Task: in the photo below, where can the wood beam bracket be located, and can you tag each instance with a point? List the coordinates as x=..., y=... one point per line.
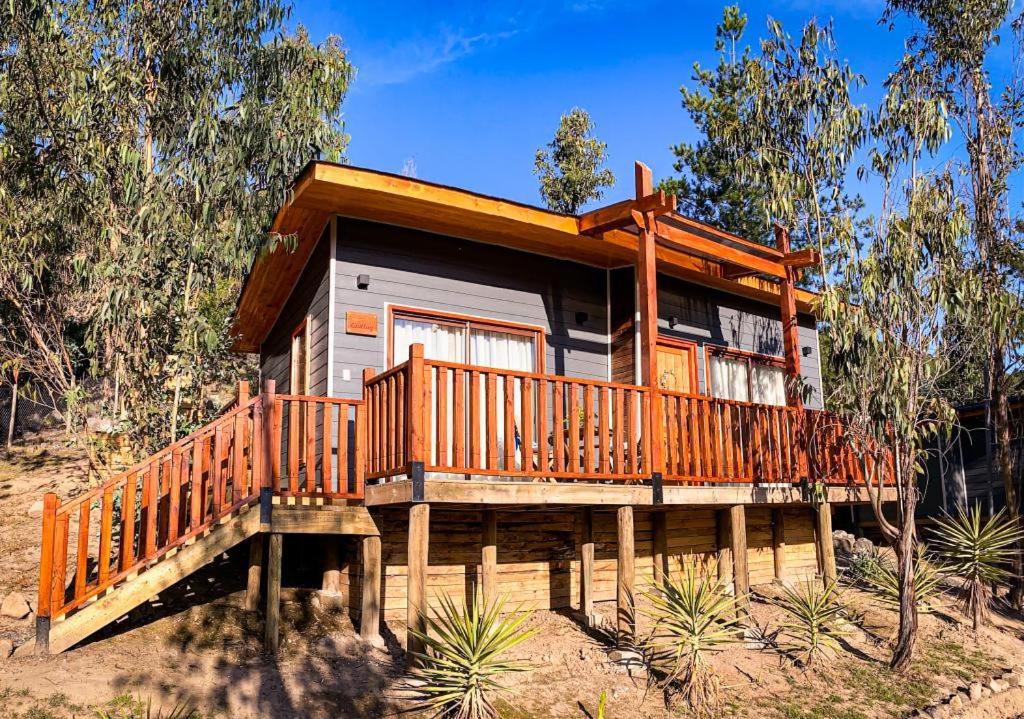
x=42, y=635
x=416, y=475
x=803, y=258
x=266, y=508
x=657, y=488
x=622, y=214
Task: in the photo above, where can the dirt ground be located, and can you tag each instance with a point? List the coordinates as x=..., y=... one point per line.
x=196, y=644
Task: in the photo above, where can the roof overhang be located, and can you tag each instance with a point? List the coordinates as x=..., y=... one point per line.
x=690, y=250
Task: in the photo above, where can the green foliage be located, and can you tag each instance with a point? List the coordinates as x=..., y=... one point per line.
x=143, y=150
x=815, y=617
x=708, y=186
x=977, y=552
x=570, y=168
x=693, y=618
x=464, y=657
x=129, y=708
x=881, y=577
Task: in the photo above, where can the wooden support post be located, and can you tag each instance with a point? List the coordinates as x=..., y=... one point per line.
x=272, y=626
x=419, y=544
x=331, y=594
x=14, y=410
x=44, y=601
x=369, y=621
x=252, y=582
x=724, y=544
x=823, y=535
x=660, y=541
x=647, y=303
x=243, y=392
x=738, y=546
x=587, y=566
x=625, y=601
x=791, y=352
x=779, y=543
x=489, y=557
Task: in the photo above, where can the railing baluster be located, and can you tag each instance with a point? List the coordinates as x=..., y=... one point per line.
x=572, y=413
x=60, y=563
x=441, y=425
x=631, y=431
x=82, y=550
x=459, y=420
x=559, y=431
x=602, y=429
x=510, y=424
x=618, y=435
x=106, y=525
x=128, y=523
x=526, y=438
x=327, y=447
x=474, y=421
x=588, y=429
x=492, y=421
x=542, y=425
x=196, y=485
x=310, y=433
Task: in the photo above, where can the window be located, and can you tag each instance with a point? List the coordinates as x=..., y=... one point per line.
x=746, y=378
x=299, y=378
x=466, y=340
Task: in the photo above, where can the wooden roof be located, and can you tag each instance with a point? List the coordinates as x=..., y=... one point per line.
x=691, y=251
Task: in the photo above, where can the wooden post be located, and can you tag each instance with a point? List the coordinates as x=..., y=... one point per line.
x=826, y=550
x=647, y=302
x=660, y=541
x=414, y=425
x=45, y=598
x=369, y=620
x=243, y=392
x=587, y=566
x=779, y=543
x=419, y=544
x=625, y=603
x=252, y=582
x=489, y=557
x=271, y=450
x=723, y=532
x=272, y=626
x=791, y=352
x=330, y=586
x=738, y=546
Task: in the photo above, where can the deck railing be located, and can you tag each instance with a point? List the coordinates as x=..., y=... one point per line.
x=276, y=441
x=461, y=420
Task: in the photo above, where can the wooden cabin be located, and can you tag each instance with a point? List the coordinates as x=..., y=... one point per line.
x=464, y=394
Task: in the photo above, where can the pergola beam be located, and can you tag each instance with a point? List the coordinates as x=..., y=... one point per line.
x=693, y=243
x=620, y=214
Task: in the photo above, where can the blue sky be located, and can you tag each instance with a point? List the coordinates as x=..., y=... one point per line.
x=467, y=91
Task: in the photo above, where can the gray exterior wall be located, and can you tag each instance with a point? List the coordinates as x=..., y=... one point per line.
x=417, y=269
x=709, y=317
x=310, y=297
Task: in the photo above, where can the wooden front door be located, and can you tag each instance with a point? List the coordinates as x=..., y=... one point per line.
x=677, y=367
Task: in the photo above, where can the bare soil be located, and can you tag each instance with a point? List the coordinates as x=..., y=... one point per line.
x=196, y=644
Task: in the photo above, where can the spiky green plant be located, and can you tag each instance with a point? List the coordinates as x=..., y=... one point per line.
x=977, y=553
x=815, y=619
x=137, y=710
x=693, y=618
x=464, y=656
x=882, y=580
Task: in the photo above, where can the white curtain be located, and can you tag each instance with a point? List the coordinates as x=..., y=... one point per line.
x=769, y=384
x=729, y=378
x=440, y=341
x=501, y=350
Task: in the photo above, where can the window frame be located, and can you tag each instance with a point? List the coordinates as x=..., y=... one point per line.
x=299, y=334
x=470, y=322
x=749, y=358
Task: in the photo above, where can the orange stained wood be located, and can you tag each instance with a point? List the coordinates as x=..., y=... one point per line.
x=697, y=252
x=677, y=367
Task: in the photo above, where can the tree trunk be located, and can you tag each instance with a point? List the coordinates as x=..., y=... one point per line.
x=903, y=652
x=1004, y=462
x=14, y=412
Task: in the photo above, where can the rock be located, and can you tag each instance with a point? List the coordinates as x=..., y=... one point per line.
x=15, y=606
x=986, y=692
x=6, y=649
x=753, y=638
x=1012, y=678
x=626, y=657
x=965, y=699
x=998, y=685
x=377, y=642
x=36, y=508
x=863, y=545
x=955, y=703
x=843, y=542
x=937, y=712
x=974, y=691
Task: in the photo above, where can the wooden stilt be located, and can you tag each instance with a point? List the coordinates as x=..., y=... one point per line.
x=626, y=578
x=489, y=557
x=587, y=566
x=660, y=549
x=252, y=583
x=823, y=537
x=272, y=625
x=369, y=621
x=724, y=543
x=738, y=545
x=419, y=543
x=779, y=543
x=331, y=586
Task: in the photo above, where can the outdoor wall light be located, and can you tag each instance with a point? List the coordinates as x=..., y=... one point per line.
x=806, y=351
x=582, y=317
x=672, y=321
x=363, y=281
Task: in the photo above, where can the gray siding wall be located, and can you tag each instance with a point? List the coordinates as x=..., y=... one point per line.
x=417, y=269
x=709, y=317
x=310, y=297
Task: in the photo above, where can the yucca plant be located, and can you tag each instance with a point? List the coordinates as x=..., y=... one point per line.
x=977, y=553
x=815, y=619
x=882, y=580
x=464, y=656
x=136, y=710
x=693, y=618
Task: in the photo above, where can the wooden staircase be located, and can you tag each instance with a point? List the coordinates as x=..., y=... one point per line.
x=109, y=550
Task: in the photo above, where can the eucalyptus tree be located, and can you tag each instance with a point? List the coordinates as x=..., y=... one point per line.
x=571, y=167
x=953, y=40
x=889, y=312
x=143, y=149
